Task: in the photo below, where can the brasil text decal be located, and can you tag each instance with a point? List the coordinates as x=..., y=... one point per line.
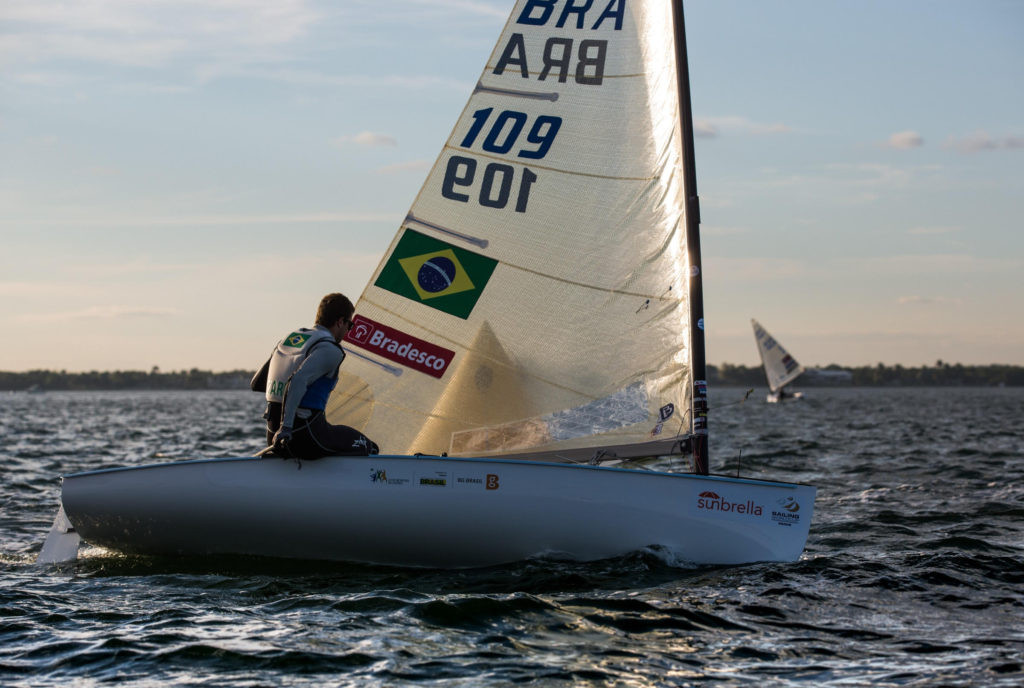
x=399, y=347
x=436, y=274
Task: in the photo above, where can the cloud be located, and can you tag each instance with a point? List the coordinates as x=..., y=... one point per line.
x=367, y=139
x=981, y=141
x=905, y=140
x=410, y=166
x=468, y=6
x=113, y=219
x=704, y=129
x=758, y=270
x=932, y=231
x=871, y=174
x=152, y=33
x=917, y=300
x=710, y=126
x=719, y=231
x=104, y=313
x=941, y=264
x=22, y=290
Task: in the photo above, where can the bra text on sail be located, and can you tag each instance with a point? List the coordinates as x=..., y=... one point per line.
x=558, y=53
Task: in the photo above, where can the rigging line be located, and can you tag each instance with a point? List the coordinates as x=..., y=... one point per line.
x=731, y=403
x=548, y=168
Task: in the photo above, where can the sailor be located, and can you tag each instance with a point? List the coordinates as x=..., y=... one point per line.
x=302, y=372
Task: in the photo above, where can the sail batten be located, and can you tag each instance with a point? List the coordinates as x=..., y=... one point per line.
x=564, y=171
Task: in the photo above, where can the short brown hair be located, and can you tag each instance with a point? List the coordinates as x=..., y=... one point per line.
x=333, y=308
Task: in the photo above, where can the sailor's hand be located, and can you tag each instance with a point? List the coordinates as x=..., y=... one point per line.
x=282, y=437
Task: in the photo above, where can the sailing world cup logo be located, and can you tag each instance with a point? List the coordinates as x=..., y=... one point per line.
x=786, y=514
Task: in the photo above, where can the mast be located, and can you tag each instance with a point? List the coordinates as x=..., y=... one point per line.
x=699, y=412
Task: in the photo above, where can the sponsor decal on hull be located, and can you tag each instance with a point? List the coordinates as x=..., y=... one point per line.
x=380, y=477
x=788, y=512
x=399, y=347
x=711, y=502
x=433, y=479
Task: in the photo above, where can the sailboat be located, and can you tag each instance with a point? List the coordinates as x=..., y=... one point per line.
x=780, y=368
x=529, y=352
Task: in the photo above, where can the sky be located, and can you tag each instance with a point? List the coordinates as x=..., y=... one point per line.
x=182, y=180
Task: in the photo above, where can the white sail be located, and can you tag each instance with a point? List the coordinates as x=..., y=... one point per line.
x=535, y=297
x=779, y=367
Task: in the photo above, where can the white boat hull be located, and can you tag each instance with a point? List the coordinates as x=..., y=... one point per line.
x=434, y=512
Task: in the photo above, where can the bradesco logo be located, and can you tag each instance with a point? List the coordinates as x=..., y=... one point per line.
x=399, y=347
x=710, y=501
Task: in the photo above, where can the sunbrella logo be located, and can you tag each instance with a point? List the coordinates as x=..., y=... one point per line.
x=711, y=501
x=436, y=274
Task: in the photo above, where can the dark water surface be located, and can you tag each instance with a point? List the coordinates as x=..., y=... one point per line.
x=913, y=573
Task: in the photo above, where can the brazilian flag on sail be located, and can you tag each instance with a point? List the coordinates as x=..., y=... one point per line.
x=436, y=274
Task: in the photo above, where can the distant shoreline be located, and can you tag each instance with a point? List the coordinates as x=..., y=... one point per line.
x=726, y=374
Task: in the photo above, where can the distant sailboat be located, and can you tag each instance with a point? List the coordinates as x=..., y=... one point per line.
x=780, y=368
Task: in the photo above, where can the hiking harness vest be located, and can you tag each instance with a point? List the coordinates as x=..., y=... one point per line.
x=290, y=353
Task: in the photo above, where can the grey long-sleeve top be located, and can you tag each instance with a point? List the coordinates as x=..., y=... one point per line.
x=322, y=361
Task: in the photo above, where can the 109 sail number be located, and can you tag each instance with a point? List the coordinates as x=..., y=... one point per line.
x=497, y=180
x=495, y=183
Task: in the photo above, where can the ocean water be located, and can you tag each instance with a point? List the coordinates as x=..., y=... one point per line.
x=913, y=574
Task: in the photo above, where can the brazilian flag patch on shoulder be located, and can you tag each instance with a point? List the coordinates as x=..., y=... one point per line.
x=436, y=274
x=296, y=339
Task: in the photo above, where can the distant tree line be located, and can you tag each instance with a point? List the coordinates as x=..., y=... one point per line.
x=880, y=375
x=61, y=380
x=942, y=374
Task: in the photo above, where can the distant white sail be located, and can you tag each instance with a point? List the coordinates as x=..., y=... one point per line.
x=536, y=295
x=779, y=367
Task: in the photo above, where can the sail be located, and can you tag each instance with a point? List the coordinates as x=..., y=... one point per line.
x=779, y=367
x=535, y=297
